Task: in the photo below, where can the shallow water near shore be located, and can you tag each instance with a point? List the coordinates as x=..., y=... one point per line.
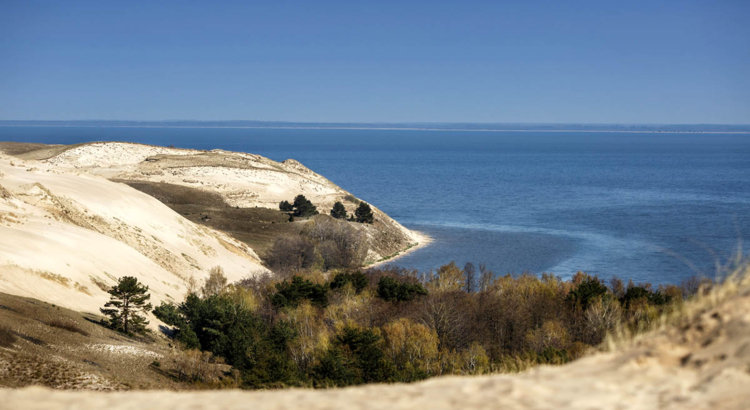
x=654, y=207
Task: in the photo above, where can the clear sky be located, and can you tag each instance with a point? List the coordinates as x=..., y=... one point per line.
x=381, y=61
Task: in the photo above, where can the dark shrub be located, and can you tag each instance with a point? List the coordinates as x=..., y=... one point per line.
x=292, y=293
x=338, y=211
x=390, y=289
x=586, y=291
x=365, y=347
x=640, y=292
x=334, y=369
x=66, y=325
x=339, y=244
x=551, y=355
x=7, y=337
x=358, y=280
x=363, y=213
x=356, y=357
x=285, y=206
x=303, y=208
x=168, y=313
x=291, y=254
x=351, y=198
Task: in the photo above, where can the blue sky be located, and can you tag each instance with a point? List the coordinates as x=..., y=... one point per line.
x=381, y=61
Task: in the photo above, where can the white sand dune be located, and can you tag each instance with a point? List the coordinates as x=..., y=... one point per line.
x=66, y=235
x=244, y=180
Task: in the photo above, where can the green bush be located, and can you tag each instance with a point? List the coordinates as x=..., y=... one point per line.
x=338, y=211
x=358, y=280
x=334, y=369
x=551, y=355
x=390, y=289
x=363, y=214
x=586, y=291
x=285, y=206
x=7, y=337
x=640, y=292
x=290, y=294
x=303, y=208
x=355, y=357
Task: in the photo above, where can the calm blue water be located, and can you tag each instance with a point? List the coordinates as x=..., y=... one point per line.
x=652, y=207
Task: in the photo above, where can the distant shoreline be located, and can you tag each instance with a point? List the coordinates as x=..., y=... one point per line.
x=382, y=128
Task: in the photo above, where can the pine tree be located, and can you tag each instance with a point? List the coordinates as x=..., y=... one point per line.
x=364, y=213
x=338, y=211
x=303, y=207
x=128, y=299
x=469, y=277
x=285, y=206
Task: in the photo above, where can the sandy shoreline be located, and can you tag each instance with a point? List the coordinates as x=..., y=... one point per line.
x=424, y=240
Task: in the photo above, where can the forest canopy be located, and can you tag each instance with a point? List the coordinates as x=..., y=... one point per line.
x=348, y=327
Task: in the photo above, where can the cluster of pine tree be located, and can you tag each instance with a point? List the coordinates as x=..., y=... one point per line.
x=363, y=214
x=303, y=208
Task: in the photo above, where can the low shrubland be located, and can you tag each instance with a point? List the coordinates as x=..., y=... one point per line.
x=7, y=337
x=67, y=325
x=325, y=243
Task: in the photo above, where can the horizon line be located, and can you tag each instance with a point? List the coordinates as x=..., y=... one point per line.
x=741, y=130
x=377, y=123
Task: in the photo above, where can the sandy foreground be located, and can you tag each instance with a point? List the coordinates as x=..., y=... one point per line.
x=701, y=361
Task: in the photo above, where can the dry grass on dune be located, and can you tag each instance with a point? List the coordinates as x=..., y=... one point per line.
x=33, y=151
x=257, y=227
x=709, y=295
x=47, y=345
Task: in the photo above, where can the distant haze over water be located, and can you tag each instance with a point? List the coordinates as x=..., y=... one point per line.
x=649, y=206
x=712, y=128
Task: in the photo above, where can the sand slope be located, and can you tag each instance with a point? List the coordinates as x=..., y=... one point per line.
x=66, y=235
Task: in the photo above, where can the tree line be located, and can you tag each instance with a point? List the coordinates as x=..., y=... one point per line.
x=302, y=207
